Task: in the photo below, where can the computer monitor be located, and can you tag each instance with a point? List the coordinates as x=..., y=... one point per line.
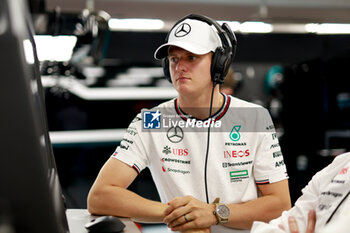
x=31, y=198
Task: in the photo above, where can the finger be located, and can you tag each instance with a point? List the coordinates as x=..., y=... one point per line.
x=281, y=227
x=174, y=204
x=180, y=221
x=311, y=222
x=191, y=227
x=179, y=201
x=293, y=226
x=176, y=215
x=186, y=220
x=186, y=226
x=168, y=210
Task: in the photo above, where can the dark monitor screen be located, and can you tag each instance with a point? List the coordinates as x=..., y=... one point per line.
x=30, y=193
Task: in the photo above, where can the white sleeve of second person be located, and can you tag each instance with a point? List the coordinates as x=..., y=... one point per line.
x=306, y=202
x=340, y=224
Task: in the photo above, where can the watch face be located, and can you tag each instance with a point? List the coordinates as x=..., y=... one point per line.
x=223, y=211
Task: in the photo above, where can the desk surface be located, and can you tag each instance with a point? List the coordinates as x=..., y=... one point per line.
x=77, y=218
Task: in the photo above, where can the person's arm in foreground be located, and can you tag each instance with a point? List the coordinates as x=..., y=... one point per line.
x=275, y=198
x=109, y=196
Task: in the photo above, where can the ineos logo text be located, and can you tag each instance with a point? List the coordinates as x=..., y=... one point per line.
x=175, y=134
x=182, y=30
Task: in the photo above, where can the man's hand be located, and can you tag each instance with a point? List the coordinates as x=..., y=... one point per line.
x=188, y=213
x=293, y=226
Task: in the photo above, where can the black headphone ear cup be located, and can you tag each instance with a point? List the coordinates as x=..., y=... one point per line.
x=213, y=68
x=232, y=37
x=166, y=71
x=220, y=65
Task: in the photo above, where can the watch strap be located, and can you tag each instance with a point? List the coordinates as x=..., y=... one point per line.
x=219, y=219
x=217, y=200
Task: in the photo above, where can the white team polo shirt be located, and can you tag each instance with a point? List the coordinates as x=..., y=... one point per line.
x=243, y=152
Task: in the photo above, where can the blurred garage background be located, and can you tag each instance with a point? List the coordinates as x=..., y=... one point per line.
x=98, y=71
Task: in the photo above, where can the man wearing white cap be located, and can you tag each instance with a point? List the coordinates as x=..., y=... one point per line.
x=215, y=159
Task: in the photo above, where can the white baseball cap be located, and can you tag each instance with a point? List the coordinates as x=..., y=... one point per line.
x=195, y=36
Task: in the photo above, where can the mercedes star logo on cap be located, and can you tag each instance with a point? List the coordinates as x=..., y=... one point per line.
x=175, y=134
x=182, y=30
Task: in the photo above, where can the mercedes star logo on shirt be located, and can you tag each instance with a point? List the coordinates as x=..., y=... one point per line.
x=175, y=134
x=183, y=30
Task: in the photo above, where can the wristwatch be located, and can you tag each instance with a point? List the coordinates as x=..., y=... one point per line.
x=221, y=212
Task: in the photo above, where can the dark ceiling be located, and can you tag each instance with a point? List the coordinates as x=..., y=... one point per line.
x=274, y=11
x=138, y=47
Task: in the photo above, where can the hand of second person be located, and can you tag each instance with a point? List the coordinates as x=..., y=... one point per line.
x=186, y=213
x=310, y=228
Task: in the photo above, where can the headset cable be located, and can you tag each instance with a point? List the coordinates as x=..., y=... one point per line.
x=208, y=143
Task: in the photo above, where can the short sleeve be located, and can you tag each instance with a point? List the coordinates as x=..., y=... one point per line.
x=131, y=149
x=269, y=164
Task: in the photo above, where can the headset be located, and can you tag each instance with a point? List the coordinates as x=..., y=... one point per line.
x=223, y=56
